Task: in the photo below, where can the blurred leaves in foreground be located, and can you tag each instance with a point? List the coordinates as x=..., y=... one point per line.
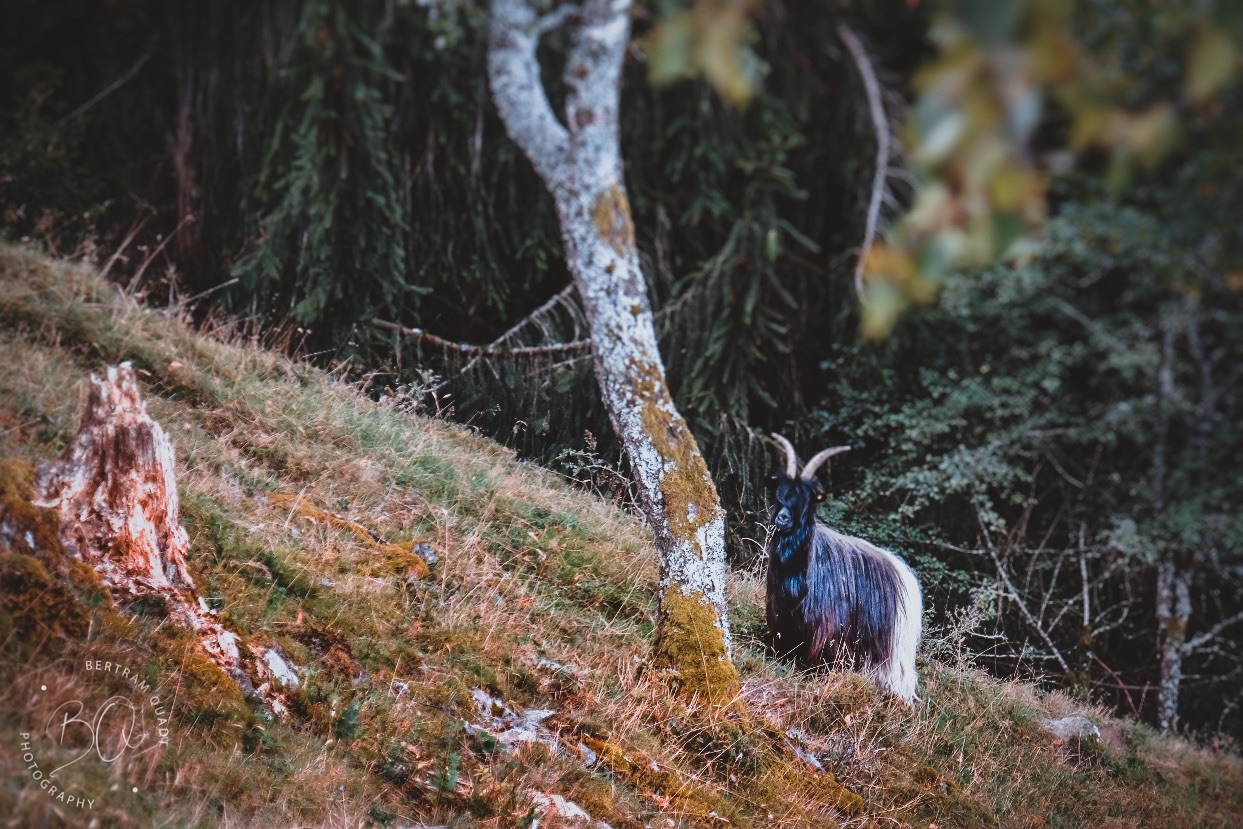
x=709, y=39
x=1022, y=90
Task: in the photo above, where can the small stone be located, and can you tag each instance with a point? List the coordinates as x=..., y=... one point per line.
x=590, y=758
x=280, y=669
x=425, y=550
x=1075, y=725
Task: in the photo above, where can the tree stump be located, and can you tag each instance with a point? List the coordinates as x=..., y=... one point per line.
x=117, y=495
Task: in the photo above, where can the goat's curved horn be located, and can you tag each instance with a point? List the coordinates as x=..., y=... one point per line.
x=809, y=471
x=791, y=458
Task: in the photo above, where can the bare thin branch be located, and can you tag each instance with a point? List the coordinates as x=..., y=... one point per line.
x=481, y=350
x=137, y=278
x=1122, y=686
x=105, y=92
x=1083, y=578
x=1014, y=594
x=562, y=297
x=1212, y=633
x=876, y=107
x=129, y=237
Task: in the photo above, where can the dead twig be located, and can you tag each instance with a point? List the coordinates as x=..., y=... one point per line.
x=876, y=108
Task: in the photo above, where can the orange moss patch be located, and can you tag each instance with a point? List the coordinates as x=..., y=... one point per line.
x=25, y=528
x=691, y=500
x=943, y=799
x=401, y=557
x=333, y=649
x=34, y=600
x=86, y=581
x=666, y=785
x=611, y=214
x=689, y=639
x=199, y=682
x=691, y=644
x=783, y=784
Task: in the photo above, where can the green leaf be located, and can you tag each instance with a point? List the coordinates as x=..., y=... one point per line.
x=669, y=50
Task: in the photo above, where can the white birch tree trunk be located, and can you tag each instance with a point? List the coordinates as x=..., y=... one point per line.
x=1173, y=613
x=1173, y=595
x=580, y=163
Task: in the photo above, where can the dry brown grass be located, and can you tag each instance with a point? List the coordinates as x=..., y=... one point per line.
x=533, y=575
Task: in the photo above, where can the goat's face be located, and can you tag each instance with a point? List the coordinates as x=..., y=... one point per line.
x=794, y=502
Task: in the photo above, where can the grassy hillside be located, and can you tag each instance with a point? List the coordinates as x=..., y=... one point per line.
x=514, y=672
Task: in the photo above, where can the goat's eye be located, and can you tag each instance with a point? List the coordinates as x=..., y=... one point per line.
x=819, y=497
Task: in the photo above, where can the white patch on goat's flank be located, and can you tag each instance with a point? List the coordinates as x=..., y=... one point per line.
x=897, y=673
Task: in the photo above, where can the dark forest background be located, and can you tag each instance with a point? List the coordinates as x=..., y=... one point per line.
x=1054, y=442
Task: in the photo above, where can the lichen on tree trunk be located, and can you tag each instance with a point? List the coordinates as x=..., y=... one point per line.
x=580, y=162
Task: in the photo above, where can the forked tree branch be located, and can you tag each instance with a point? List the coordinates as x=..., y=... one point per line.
x=593, y=69
x=1016, y=596
x=514, y=73
x=560, y=297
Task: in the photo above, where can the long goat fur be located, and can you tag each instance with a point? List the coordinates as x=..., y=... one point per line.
x=835, y=598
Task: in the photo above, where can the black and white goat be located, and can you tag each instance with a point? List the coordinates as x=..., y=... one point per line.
x=835, y=598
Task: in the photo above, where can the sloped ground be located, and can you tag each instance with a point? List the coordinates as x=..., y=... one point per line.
x=508, y=686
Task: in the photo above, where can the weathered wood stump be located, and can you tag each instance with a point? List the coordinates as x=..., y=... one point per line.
x=117, y=495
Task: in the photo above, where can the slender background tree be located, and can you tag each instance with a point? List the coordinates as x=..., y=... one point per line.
x=580, y=162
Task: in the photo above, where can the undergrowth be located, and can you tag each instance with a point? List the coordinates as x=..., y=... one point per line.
x=542, y=599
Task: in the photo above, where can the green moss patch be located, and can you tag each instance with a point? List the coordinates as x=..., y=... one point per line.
x=690, y=497
x=691, y=644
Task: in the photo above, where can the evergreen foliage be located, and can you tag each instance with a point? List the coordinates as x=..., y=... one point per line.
x=1071, y=421
x=330, y=234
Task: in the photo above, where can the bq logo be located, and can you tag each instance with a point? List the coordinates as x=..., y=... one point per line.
x=98, y=729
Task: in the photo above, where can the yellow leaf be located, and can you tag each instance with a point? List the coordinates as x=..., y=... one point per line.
x=881, y=310
x=1152, y=133
x=884, y=263
x=1090, y=126
x=1013, y=186
x=723, y=56
x=1211, y=64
